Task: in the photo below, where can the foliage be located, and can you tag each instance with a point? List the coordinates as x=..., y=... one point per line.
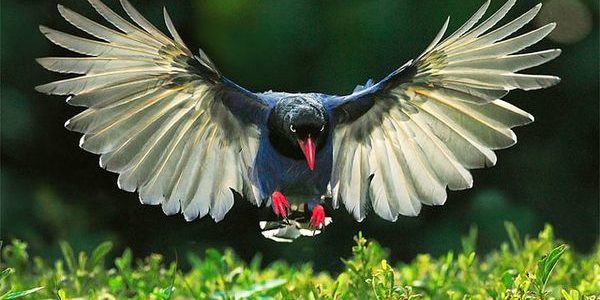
x=530, y=268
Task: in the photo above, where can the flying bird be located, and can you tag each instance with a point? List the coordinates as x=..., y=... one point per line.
x=187, y=138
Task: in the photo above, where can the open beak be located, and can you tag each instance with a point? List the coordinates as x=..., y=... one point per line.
x=308, y=148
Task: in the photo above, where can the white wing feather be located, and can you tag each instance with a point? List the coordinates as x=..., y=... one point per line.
x=160, y=126
x=447, y=118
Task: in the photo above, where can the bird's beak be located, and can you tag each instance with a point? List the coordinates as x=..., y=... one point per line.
x=308, y=148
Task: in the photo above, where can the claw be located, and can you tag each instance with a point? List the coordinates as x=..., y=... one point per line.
x=280, y=204
x=317, y=218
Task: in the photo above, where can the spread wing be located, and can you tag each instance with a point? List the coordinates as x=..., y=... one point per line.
x=399, y=143
x=166, y=120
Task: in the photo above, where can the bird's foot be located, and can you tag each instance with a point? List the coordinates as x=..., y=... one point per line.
x=280, y=204
x=317, y=218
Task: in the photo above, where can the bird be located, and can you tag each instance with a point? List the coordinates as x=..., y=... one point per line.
x=187, y=138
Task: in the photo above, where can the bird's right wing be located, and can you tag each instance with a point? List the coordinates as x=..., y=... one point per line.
x=166, y=120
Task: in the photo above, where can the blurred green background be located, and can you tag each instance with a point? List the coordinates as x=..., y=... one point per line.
x=52, y=190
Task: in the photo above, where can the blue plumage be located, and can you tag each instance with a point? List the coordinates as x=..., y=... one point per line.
x=274, y=171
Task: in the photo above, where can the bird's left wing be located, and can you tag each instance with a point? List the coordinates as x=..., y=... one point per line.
x=166, y=120
x=401, y=142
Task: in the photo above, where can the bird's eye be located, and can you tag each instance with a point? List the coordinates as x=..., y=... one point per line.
x=292, y=128
x=322, y=128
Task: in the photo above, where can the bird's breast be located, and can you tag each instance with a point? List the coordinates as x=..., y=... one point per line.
x=292, y=177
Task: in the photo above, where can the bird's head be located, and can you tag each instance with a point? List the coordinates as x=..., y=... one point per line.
x=298, y=128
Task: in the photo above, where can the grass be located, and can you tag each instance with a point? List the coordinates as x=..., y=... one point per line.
x=522, y=268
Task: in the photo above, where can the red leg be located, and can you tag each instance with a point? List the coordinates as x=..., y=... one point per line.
x=280, y=204
x=317, y=218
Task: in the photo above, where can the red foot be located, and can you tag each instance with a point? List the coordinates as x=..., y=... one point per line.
x=317, y=218
x=280, y=204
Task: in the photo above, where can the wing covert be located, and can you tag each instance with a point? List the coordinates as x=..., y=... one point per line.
x=402, y=141
x=166, y=120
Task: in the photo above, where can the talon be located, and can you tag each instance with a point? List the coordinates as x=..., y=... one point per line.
x=280, y=204
x=317, y=218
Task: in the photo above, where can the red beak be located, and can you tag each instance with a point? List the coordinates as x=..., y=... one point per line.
x=308, y=148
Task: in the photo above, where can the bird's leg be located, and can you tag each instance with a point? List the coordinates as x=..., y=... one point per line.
x=280, y=204
x=317, y=218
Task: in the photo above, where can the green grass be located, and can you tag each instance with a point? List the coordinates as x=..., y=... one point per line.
x=522, y=268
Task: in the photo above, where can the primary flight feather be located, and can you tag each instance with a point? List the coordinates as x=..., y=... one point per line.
x=184, y=136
